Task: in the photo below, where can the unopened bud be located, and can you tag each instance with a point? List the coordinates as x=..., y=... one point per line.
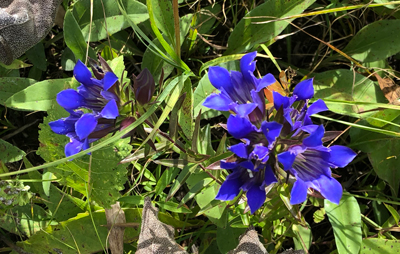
x=144, y=86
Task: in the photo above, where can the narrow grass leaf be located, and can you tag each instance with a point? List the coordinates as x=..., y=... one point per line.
x=172, y=207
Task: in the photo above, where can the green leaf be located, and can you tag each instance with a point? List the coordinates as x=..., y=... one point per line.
x=393, y=212
x=179, y=81
x=134, y=200
x=186, y=111
x=26, y=220
x=375, y=41
x=163, y=17
x=114, y=21
x=78, y=235
x=37, y=56
x=118, y=67
x=75, y=235
x=382, y=151
x=61, y=205
x=39, y=96
x=46, y=177
x=155, y=63
x=10, y=86
x=346, y=222
x=106, y=178
x=220, y=60
x=319, y=215
x=15, y=65
x=68, y=60
x=246, y=34
x=173, y=207
x=228, y=238
x=196, y=189
x=346, y=85
x=207, y=196
x=10, y=153
x=166, y=178
x=303, y=238
x=376, y=245
x=181, y=179
x=74, y=38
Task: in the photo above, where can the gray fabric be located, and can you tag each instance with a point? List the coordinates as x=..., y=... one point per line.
x=249, y=244
x=156, y=237
x=23, y=23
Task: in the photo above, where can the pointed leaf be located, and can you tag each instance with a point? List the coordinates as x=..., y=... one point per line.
x=346, y=222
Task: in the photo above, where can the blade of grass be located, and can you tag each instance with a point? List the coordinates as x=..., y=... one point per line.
x=367, y=128
x=314, y=13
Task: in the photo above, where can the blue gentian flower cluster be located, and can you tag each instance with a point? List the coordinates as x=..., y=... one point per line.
x=290, y=138
x=101, y=104
x=97, y=103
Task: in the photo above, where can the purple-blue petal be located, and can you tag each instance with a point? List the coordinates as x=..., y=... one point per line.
x=287, y=159
x=82, y=73
x=256, y=197
x=109, y=80
x=110, y=110
x=243, y=110
x=109, y=95
x=340, y=156
x=73, y=147
x=247, y=165
x=280, y=100
x=269, y=176
x=240, y=150
x=220, y=78
x=248, y=65
x=271, y=130
x=267, y=80
x=259, y=99
x=315, y=138
x=85, y=125
x=317, y=107
x=330, y=188
x=299, y=192
x=86, y=145
x=261, y=153
x=239, y=127
x=304, y=90
x=228, y=165
x=62, y=127
x=230, y=188
x=70, y=99
x=218, y=102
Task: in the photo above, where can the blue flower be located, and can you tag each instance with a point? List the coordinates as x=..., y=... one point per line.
x=311, y=164
x=85, y=128
x=82, y=129
x=240, y=92
x=92, y=94
x=302, y=92
x=251, y=171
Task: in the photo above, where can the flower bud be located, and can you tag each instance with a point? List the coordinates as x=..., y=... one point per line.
x=143, y=86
